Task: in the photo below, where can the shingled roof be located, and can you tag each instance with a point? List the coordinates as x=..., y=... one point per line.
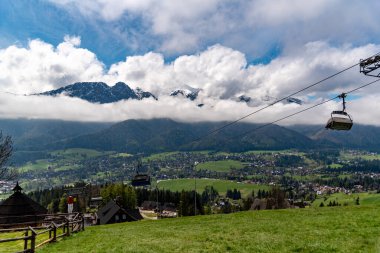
x=18, y=204
x=106, y=213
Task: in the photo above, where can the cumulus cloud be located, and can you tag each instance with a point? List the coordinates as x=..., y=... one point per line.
x=252, y=26
x=34, y=107
x=41, y=66
x=221, y=73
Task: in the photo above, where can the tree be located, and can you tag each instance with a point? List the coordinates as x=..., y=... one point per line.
x=357, y=201
x=6, y=148
x=247, y=203
x=63, y=204
x=259, y=194
x=125, y=195
x=209, y=194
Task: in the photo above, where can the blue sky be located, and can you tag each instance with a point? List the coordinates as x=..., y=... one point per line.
x=22, y=20
x=133, y=30
x=225, y=48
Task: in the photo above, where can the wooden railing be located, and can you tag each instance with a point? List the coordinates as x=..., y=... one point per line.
x=57, y=226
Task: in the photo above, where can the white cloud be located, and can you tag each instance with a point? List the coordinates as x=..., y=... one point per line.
x=251, y=26
x=66, y=108
x=216, y=71
x=274, y=13
x=41, y=67
x=220, y=72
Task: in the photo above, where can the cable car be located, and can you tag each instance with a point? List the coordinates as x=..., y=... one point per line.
x=140, y=179
x=340, y=120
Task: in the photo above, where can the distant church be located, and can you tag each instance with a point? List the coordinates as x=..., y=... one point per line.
x=19, y=208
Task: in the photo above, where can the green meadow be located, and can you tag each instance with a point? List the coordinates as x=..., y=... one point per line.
x=343, y=199
x=220, y=185
x=333, y=229
x=220, y=166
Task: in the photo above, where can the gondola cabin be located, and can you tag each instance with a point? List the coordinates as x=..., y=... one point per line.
x=339, y=120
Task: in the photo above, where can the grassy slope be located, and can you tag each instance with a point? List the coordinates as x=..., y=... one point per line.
x=348, y=156
x=67, y=155
x=220, y=185
x=335, y=229
x=365, y=198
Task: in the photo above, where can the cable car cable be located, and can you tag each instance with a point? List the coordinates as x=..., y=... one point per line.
x=279, y=100
x=306, y=109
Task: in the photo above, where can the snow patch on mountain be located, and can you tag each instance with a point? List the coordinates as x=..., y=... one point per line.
x=188, y=92
x=99, y=92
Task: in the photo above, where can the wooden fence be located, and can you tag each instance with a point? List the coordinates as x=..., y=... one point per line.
x=51, y=225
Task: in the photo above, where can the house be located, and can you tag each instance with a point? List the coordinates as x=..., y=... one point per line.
x=114, y=213
x=19, y=208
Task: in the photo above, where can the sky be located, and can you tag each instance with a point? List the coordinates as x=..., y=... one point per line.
x=262, y=49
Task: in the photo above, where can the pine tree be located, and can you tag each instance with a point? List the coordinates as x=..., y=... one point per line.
x=63, y=204
x=357, y=201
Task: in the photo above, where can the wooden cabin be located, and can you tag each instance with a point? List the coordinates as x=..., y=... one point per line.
x=113, y=213
x=19, y=209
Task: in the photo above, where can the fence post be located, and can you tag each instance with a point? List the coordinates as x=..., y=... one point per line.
x=54, y=232
x=68, y=227
x=26, y=240
x=33, y=241
x=82, y=222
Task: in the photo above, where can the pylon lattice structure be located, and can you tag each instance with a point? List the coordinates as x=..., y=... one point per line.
x=370, y=66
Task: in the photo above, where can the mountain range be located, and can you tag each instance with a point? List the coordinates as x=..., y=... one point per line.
x=161, y=135
x=99, y=92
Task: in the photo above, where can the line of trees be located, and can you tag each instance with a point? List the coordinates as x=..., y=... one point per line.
x=6, y=149
x=124, y=194
x=187, y=202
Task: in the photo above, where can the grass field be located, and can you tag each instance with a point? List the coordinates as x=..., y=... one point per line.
x=335, y=229
x=336, y=166
x=220, y=185
x=158, y=156
x=118, y=155
x=220, y=166
x=78, y=153
x=365, y=198
x=66, y=155
x=349, y=156
x=33, y=166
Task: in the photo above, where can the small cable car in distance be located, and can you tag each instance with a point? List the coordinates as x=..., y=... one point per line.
x=140, y=179
x=340, y=120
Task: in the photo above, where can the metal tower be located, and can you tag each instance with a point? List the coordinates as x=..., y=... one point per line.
x=370, y=65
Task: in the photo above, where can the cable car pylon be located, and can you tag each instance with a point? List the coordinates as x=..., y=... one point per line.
x=370, y=66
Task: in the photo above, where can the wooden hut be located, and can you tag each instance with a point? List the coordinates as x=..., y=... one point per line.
x=113, y=213
x=19, y=208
